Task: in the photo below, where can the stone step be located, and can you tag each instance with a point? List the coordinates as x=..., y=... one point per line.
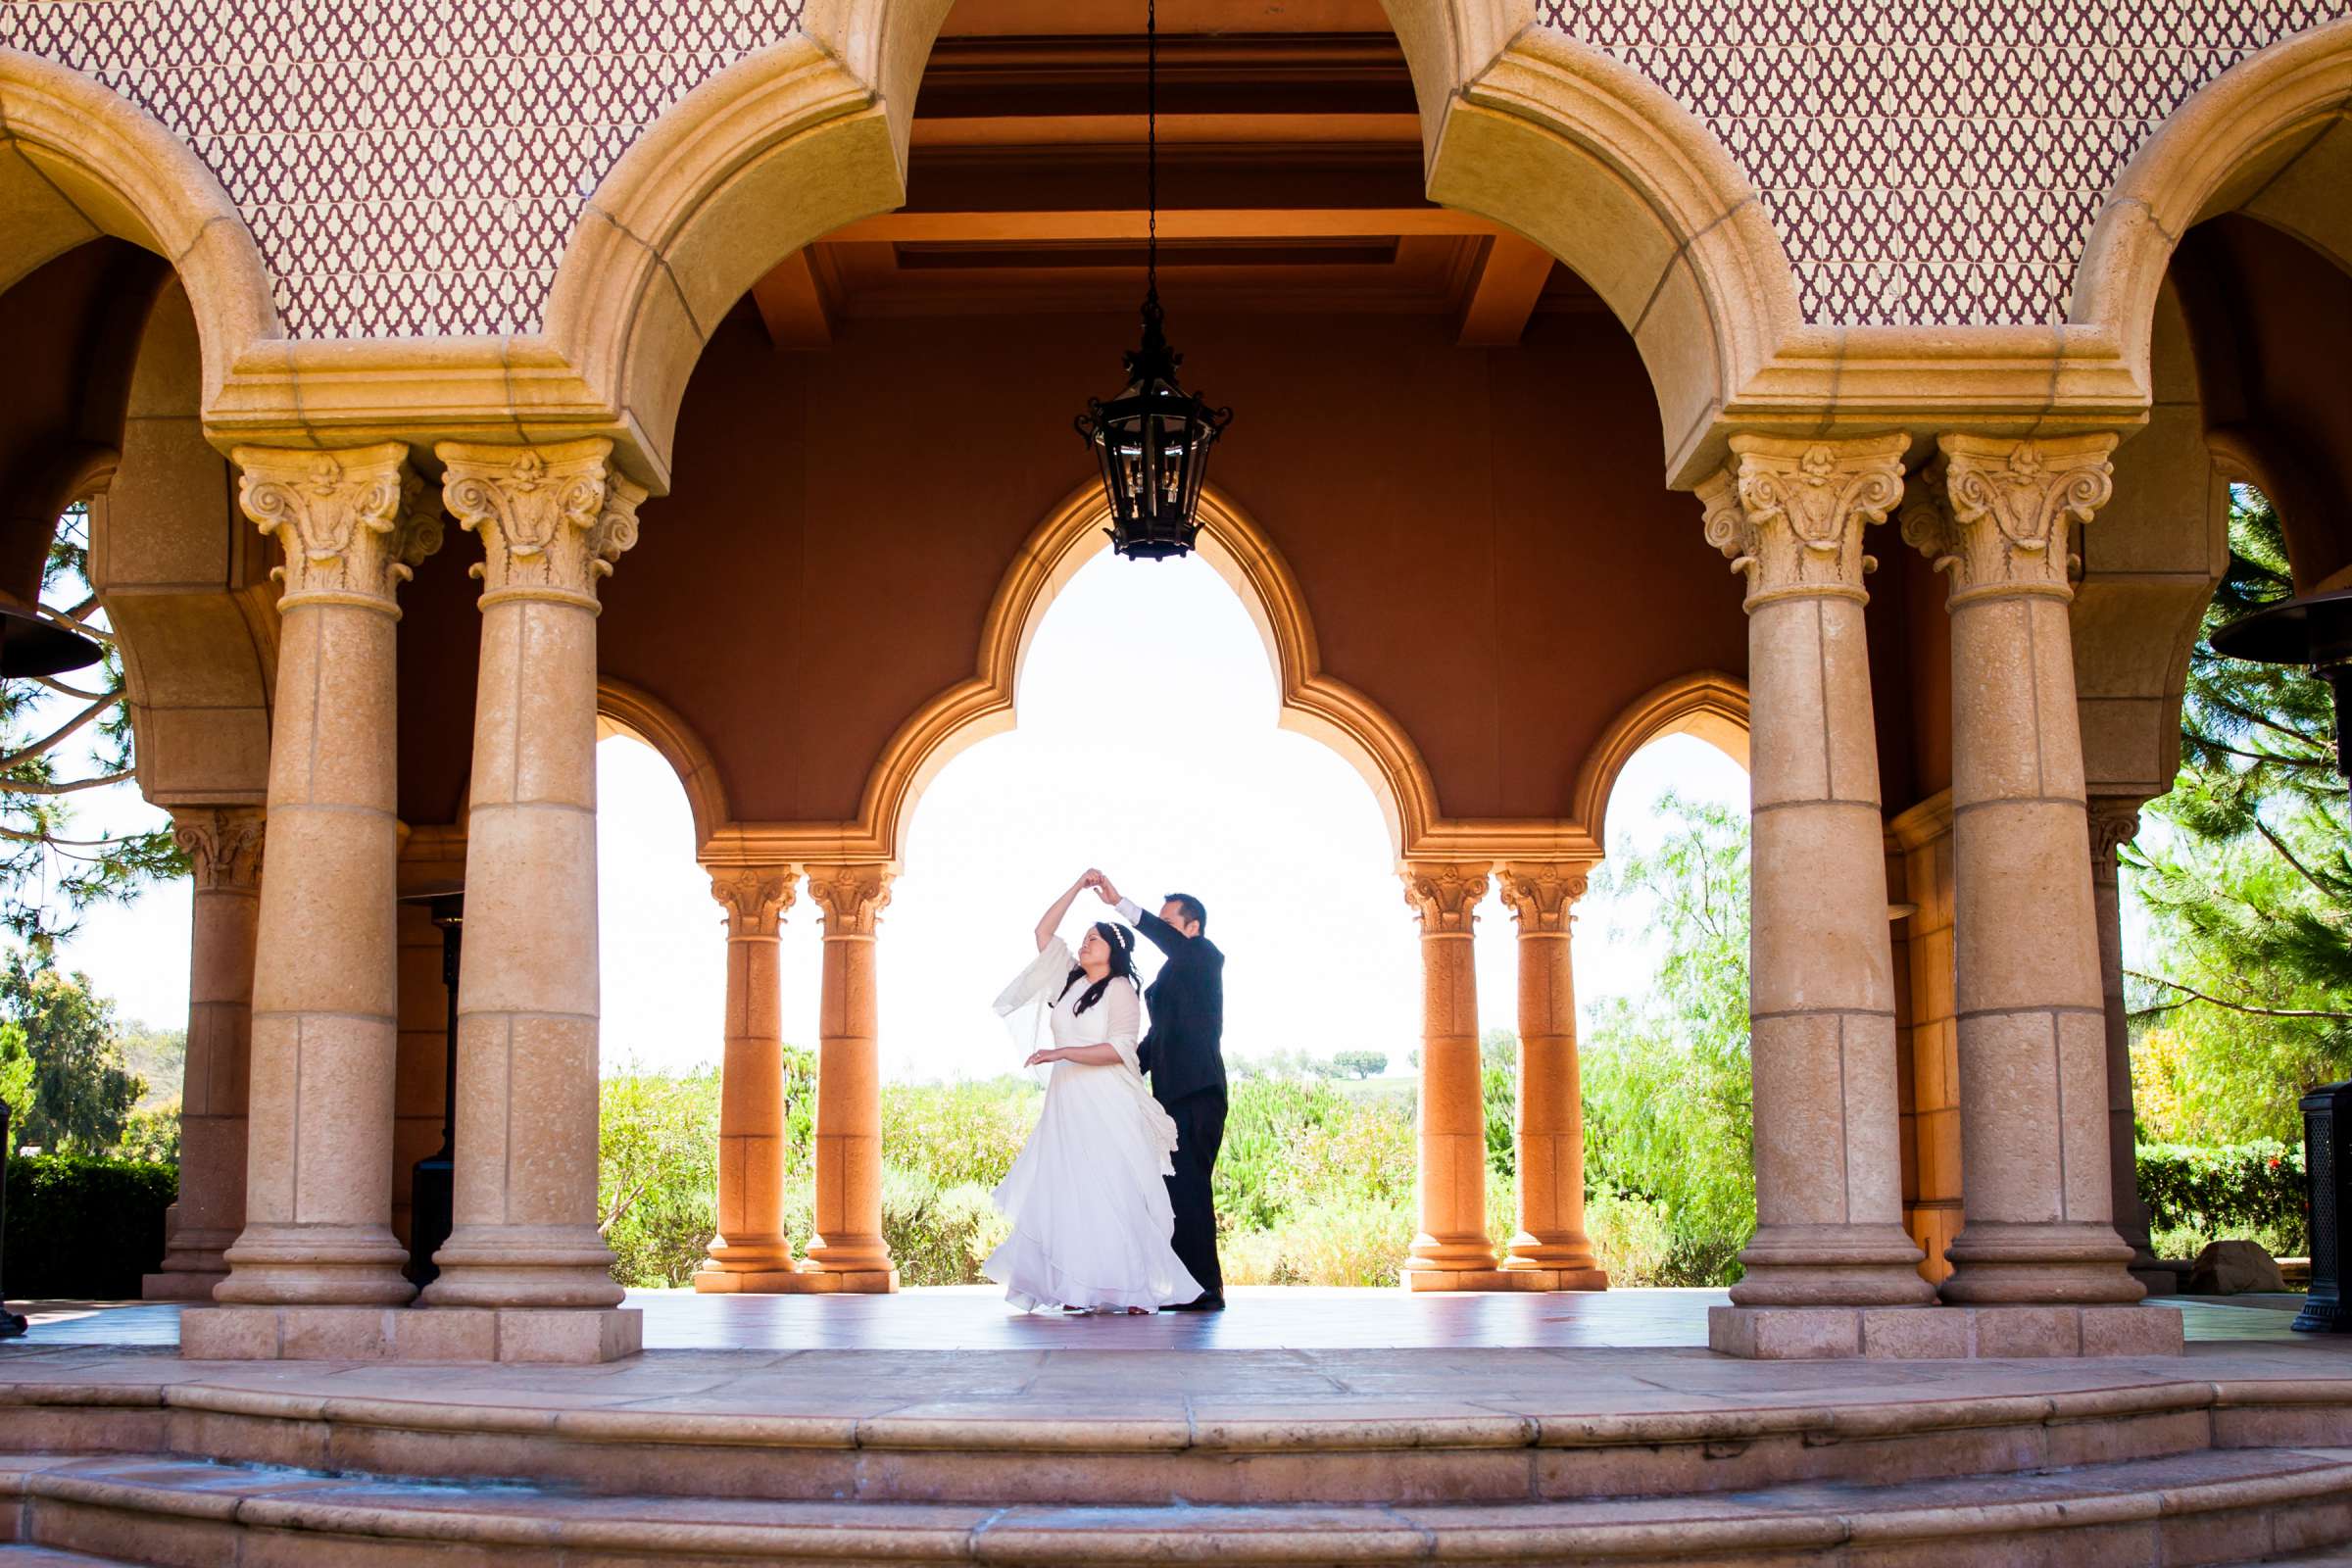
x=991, y=1453
x=2204, y=1508
x=25, y=1554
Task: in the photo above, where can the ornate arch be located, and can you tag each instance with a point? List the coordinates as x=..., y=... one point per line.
x=77, y=160
x=2269, y=136
x=1708, y=706
x=627, y=709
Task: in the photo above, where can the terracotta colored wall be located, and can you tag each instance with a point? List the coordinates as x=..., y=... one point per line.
x=1481, y=536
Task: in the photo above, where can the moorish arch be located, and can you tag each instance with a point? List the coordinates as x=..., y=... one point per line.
x=1543, y=134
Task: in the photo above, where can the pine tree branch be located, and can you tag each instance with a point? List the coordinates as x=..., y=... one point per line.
x=56, y=685
x=39, y=747
x=12, y=788
x=2237, y=1006
x=2265, y=721
x=2289, y=855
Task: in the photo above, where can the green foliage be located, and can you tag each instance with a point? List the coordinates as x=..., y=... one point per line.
x=82, y=1227
x=937, y=1234
x=57, y=738
x=969, y=1133
x=656, y=1186
x=1668, y=1119
x=2253, y=1190
x=2249, y=892
x=1361, y=1063
x=81, y=1091
x=152, y=1134
x=16, y=1080
x=158, y=1056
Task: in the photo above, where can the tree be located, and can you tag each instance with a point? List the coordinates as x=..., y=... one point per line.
x=82, y=1092
x=59, y=737
x=16, y=1080
x=1361, y=1063
x=1668, y=1115
x=2247, y=883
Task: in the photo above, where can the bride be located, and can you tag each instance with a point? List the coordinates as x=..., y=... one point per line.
x=1090, y=1212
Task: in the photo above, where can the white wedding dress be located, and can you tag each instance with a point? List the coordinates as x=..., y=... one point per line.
x=1090, y=1215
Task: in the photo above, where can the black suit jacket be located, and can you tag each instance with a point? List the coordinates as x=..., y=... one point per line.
x=1184, y=1049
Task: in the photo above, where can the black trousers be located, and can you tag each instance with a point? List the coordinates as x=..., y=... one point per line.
x=1199, y=1128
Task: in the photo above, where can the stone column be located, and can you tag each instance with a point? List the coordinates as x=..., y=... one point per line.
x=846, y=1250
x=318, y=1195
x=552, y=521
x=1552, y=1250
x=2113, y=823
x=1821, y=970
x=1452, y=1251
x=750, y=1252
x=224, y=845
x=2037, y=1201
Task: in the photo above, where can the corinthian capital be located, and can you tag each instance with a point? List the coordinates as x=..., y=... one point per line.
x=552, y=519
x=353, y=523
x=1541, y=894
x=755, y=897
x=1790, y=513
x=2113, y=823
x=223, y=844
x=1994, y=513
x=1443, y=896
x=850, y=897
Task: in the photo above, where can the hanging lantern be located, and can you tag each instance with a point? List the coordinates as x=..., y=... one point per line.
x=1152, y=439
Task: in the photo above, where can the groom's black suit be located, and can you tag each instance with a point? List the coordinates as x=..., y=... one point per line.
x=1183, y=1053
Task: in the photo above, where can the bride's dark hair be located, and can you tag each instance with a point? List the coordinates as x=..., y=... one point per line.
x=1121, y=942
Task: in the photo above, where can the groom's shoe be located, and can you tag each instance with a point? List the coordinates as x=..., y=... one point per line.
x=1200, y=1304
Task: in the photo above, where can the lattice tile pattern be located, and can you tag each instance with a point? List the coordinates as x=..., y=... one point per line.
x=411, y=168
x=1933, y=160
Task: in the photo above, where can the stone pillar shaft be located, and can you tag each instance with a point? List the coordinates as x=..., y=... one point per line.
x=750, y=1252
x=318, y=1198
x=848, y=1241
x=2037, y=1202
x=2113, y=823
x=1552, y=1245
x=551, y=519
x=225, y=845
x=1828, y=1125
x=1451, y=1251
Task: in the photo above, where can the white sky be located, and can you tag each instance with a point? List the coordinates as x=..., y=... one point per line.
x=1184, y=785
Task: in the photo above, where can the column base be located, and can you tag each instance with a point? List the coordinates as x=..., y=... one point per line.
x=1536, y=1277
x=575, y=1337
x=1941, y=1333
x=566, y=1267
x=1832, y=1265
x=317, y=1265
x=811, y=1281
x=180, y=1285
x=709, y=1280
x=1998, y=1264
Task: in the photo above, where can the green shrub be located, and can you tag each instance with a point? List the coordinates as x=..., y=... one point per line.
x=967, y=1133
x=2253, y=1190
x=937, y=1235
x=656, y=1191
x=1631, y=1238
x=83, y=1227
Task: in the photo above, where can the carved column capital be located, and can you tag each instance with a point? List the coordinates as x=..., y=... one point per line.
x=2113, y=823
x=1789, y=514
x=1994, y=513
x=353, y=523
x=1444, y=895
x=224, y=845
x=851, y=897
x=754, y=898
x=1543, y=894
x=553, y=519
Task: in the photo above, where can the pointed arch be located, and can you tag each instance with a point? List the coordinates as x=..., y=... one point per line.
x=1708, y=706
x=78, y=159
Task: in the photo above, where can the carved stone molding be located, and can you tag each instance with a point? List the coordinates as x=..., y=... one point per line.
x=1994, y=513
x=1789, y=514
x=224, y=845
x=2113, y=823
x=1444, y=895
x=851, y=897
x=754, y=898
x=1544, y=894
x=353, y=523
x=553, y=520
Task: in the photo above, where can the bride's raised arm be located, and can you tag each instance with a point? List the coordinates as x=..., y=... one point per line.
x=1062, y=906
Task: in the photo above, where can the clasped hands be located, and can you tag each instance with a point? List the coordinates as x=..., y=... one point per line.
x=1102, y=885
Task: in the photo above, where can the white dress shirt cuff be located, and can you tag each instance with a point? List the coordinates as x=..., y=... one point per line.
x=1129, y=913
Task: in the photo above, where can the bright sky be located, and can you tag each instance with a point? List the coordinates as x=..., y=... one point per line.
x=1187, y=786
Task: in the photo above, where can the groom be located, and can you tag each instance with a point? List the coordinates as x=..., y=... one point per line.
x=1181, y=1052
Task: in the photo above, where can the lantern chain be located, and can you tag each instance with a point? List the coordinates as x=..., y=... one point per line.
x=1152, y=148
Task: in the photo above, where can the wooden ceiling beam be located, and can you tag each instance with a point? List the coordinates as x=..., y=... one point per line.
x=1503, y=289
x=799, y=301
x=1183, y=224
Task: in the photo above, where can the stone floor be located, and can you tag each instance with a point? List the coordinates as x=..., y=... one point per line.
x=1261, y=1318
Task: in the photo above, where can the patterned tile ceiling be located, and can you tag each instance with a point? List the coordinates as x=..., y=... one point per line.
x=412, y=168
x=1933, y=160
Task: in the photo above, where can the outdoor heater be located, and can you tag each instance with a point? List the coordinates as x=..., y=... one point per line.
x=434, y=1181
x=2313, y=630
x=1152, y=441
